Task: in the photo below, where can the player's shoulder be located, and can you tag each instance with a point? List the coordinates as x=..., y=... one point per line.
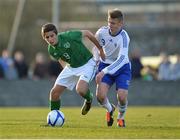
x=62, y=34
x=124, y=32
x=70, y=33
x=66, y=32
x=103, y=29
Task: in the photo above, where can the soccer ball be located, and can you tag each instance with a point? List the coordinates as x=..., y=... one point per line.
x=55, y=118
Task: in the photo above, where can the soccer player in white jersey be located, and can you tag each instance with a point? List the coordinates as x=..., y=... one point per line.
x=115, y=68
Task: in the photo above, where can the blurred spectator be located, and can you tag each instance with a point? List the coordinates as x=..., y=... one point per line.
x=164, y=67
x=175, y=69
x=40, y=69
x=136, y=64
x=149, y=73
x=54, y=69
x=20, y=64
x=7, y=64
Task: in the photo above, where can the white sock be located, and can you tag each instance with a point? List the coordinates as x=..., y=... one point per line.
x=122, y=110
x=106, y=104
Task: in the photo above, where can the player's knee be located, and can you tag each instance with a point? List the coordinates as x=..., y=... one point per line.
x=100, y=98
x=80, y=91
x=122, y=95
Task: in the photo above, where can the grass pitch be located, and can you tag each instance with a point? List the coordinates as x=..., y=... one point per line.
x=142, y=123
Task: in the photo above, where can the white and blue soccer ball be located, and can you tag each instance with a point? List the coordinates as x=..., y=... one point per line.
x=55, y=118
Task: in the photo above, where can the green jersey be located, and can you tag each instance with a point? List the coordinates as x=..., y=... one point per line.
x=70, y=49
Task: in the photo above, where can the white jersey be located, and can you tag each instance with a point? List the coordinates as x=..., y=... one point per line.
x=115, y=49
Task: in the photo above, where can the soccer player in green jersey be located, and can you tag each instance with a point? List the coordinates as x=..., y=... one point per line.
x=80, y=69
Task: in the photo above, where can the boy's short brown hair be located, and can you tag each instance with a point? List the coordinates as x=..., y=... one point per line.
x=47, y=28
x=115, y=13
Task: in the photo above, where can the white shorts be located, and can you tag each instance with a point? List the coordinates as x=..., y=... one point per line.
x=70, y=76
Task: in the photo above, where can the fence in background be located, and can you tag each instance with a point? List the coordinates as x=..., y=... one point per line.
x=35, y=93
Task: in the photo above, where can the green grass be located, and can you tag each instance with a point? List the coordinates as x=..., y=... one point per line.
x=142, y=123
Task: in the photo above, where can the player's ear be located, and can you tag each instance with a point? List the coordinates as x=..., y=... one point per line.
x=121, y=23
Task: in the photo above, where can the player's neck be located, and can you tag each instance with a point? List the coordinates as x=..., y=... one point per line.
x=115, y=33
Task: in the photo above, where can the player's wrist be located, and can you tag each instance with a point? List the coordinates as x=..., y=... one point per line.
x=105, y=71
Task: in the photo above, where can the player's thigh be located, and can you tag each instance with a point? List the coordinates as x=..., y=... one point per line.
x=82, y=86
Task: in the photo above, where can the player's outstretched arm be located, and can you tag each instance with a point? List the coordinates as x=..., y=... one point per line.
x=92, y=38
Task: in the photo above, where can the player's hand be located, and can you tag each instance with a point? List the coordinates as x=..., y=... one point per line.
x=99, y=77
x=101, y=53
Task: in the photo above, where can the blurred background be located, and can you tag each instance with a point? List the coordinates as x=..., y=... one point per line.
x=153, y=26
